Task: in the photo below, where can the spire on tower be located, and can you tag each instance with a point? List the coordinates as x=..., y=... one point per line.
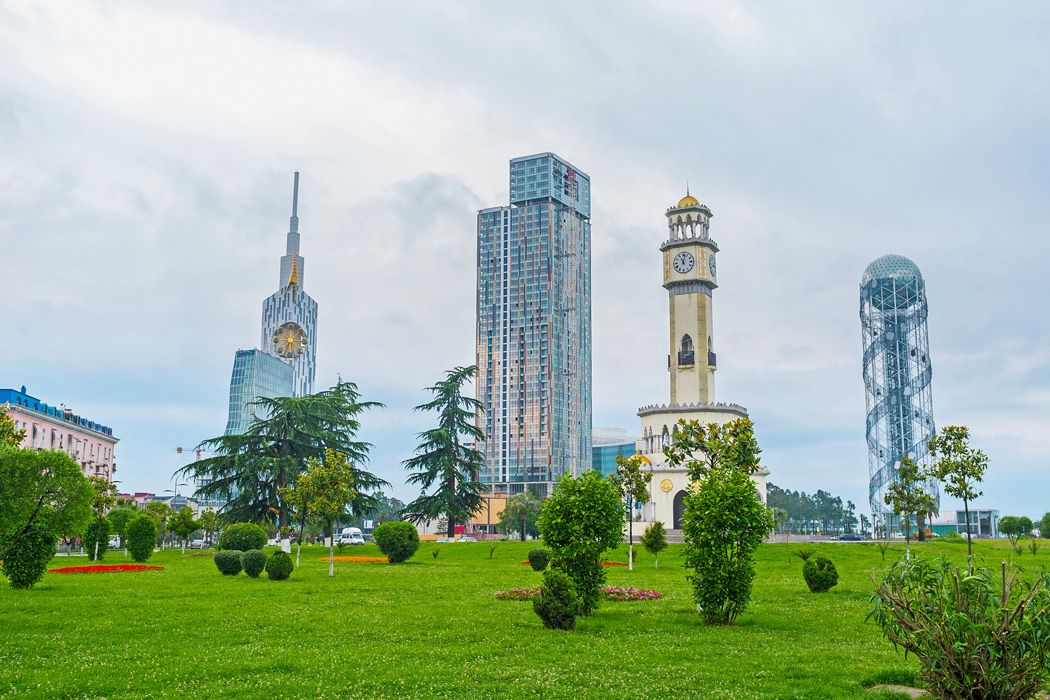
x=295, y=204
x=293, y=279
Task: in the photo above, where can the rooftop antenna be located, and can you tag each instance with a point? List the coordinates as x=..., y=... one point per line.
x=295, y=204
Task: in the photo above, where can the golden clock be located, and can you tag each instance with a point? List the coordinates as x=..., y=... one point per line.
x=289, y=340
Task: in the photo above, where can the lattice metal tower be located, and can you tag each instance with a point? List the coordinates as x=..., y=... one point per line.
x=897, y=373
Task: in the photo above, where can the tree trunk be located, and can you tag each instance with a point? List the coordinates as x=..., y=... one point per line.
x=97, y=534
x=656, y=564
x=331, y=552
x=183, y=546
x=523, y=522
x=630, y=543
x=969, y=545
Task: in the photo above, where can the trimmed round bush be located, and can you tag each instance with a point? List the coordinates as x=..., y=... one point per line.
x=243, y=537
x=27, y=562
x=397, y=540
x=97, y=531
x=558, y=605
x=279, y=566
x=142, y=536
x=253, y=561
x=228, y=562
x=820, y=575
x=539, y=558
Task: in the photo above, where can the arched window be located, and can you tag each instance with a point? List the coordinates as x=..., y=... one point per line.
x=678, y=510
x=666, y=439
x=687, y=343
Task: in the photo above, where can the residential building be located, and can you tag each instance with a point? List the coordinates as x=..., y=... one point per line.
x=534, y=327
x=49, y=427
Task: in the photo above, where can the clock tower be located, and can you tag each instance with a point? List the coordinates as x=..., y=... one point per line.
x=690, y=280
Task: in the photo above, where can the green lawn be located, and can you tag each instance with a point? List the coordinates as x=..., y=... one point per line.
x=431, y=628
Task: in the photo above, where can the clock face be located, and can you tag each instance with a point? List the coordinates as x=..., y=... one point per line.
x=289, y=340
x=711, y=264
x=683, y=262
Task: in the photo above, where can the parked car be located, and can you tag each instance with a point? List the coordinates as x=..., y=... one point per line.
x=197, y=544
x=351, y=535
x=850, y=537
x=444, y=539
x=467, y=538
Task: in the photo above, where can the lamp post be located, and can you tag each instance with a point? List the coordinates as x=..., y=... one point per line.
x=175, y=499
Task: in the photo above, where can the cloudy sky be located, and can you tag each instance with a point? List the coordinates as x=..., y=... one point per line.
x=146, y=160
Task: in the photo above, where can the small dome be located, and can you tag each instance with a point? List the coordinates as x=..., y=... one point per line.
x=688, y=201
x=889, y=267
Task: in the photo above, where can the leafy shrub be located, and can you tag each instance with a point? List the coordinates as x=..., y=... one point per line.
x=820, y=575
x=558, y=605
x=397, y=540
x=953, y=536
x=142, y=535
x=242, y=537
x=279, y=566
x=654, y=540
x=228, y=562
x=253, y=561
x=97, y=532
x=539, y=558
x=804, y=553
x=979, y=635
x=27, y=561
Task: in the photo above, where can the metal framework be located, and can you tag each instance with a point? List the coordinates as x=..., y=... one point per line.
x=897, y=373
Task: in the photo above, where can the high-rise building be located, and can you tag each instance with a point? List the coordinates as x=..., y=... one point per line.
x=289, y=318
x=609, y=443
x=256, y=375
x=534, y=327
x=897, y=373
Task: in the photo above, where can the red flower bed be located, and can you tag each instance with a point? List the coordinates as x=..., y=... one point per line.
x=102, y=569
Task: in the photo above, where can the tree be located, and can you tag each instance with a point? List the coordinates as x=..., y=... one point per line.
x=633, y=484
x=105, y=495
x=580, y=521
x=142, y=537
x=960, y=468
x=864, y=523
x=286, y=432
x=183, y=525
x=40, y=491
x=907, y=497
x=655, y=541
x=159, y=511
x=725, y=520
x=119, y=519
x=1015, y=528
x=780, y=518
x=442, y=459
x=10, y=433
x=1044, y=526
x=326, y=490
x=95, y=538
x=521, y=513
x=386, y=510
x=209, y=523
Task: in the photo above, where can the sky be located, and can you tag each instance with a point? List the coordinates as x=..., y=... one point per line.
x=146, y=160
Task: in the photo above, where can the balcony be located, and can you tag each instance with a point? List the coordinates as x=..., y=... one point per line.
x=686, y=358
x=711, y=359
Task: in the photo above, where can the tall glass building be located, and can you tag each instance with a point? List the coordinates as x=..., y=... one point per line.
x=897, y=374
x=256, y=375
x=607, y=445
x=534, y=327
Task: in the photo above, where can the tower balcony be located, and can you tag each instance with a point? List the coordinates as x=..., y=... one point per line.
x=711, y=359
x=686, y=358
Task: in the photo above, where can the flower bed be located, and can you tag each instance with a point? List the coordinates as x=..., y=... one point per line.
x=609, y=593
x=102, y=569
x=379, y=559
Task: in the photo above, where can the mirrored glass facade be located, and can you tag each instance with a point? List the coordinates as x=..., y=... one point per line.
x=534, y=327
x=256, y=374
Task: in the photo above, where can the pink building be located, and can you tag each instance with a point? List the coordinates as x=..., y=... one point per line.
x=49, y=428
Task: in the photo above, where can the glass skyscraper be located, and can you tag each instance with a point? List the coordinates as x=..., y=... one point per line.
x=534, y=327
x=256, y=375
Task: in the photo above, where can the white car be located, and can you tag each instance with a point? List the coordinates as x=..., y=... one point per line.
x=197, y=544
x=467, y=538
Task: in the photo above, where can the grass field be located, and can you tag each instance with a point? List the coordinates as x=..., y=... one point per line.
x=431, y=628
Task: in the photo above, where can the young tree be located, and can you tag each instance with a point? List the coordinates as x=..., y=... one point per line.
x=286, y=432
x=103, y=498
x=1015, y=528
x=960, y=468
x=725, y=520
x=10, y=433
x=183, y=525
x=159, y=512
x=654, y=540
x=1044, y=526
x=119, y=519
x=209, y=523
x=633, y=484
x=327, y=489
x=298, y=499
x=864, y=523
x=444, y=460
x=907, y=497
x=521, y=512
x=780, y=519
x=581, y=520
x=40, y=491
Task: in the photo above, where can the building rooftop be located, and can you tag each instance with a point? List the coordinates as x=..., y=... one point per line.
x=21, y=398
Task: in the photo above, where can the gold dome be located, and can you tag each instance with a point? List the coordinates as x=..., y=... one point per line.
x=688, y=200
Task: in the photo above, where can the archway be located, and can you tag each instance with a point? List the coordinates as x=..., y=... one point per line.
x=679, y=509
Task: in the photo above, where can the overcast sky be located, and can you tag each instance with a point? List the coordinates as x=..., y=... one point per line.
x=146, y=160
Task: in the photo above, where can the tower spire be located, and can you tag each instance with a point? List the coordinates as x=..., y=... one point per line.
x=295, y=204
x=293, y=279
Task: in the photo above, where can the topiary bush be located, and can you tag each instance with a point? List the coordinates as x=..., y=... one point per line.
x=253, y=561
x=228, y=562
x=27, y=561
x=243, y=537
x=820, y=574
x=279, y=566
x=97, y=531
x=558, y=605
x=142, y=536
x=539, y=558
x=397, y=540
